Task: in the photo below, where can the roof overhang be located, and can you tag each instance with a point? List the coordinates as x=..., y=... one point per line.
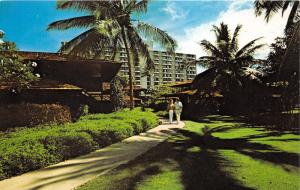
x=85, y=73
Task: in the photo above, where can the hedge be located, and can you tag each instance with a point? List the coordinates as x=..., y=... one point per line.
x=29, y=114
x=33, y=148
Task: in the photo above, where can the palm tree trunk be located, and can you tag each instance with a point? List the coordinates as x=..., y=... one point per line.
x=131, y=102
x=292, y=16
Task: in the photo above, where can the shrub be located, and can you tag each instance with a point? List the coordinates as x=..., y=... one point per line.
x=69, y=145
x=33, y=114
x=162, y=113
x=25, y=157
x=33, y=148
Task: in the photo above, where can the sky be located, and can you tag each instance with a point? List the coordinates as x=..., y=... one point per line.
x=189, y=22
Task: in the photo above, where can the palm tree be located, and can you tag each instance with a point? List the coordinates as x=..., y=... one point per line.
x=229, y=67
x=268, y=8
x=111, y=24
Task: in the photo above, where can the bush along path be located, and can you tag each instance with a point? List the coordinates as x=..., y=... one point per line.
x=75, y=172
x=34, y=148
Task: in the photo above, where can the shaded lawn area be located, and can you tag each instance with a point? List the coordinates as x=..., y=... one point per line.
x=217, y=153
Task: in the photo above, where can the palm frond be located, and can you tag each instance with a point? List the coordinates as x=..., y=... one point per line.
x=252, y=50
x=271, y=8
x=78, y=5
x=67, y=48
x=234, y=42
x=284, y=7
x=77, y=22
x=224, y=32
x=116, y=44
x=268, y=7
x=89, y=41
x=208, y=61
x=108, y=27
x=244, y=61
x=210, y=48
x=247, y=47
x=158, y=35
x=217, y=32
x=140, y=7
x=142, y=47
x=258, y=7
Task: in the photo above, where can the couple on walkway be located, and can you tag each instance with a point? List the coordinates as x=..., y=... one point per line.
x=177, y=107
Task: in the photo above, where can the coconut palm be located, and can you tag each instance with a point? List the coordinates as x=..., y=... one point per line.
x=111, y=24
x=268, y=8
x=229, y=67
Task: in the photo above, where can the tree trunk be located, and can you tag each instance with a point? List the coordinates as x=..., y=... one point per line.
x=129, y=70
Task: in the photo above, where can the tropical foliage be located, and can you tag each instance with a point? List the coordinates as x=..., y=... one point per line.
x=269, y=8
x=33, y=148
x=117, y=93
x=277, y=50
x=231, y=64
x=112, y=24
x=15, y=72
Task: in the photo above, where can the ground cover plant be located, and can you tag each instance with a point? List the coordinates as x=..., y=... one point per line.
x=33, y=148
x=219, y=153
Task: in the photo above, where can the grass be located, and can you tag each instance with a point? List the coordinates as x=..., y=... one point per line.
x=217, y=153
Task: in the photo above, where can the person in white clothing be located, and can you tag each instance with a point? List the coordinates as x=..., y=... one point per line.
x=178, y=109
x=171, y=108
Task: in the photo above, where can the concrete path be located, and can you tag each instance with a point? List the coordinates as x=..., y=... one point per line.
x=73, y=173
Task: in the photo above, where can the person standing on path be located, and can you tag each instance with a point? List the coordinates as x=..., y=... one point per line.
x=178, y=109
x=171, y=108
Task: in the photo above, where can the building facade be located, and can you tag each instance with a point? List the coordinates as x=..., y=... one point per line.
x=168, y=68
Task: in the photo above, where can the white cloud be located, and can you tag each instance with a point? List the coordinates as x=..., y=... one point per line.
x=237, y=13
x=174, y=11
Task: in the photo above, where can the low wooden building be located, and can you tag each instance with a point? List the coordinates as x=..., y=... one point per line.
x=64, y=79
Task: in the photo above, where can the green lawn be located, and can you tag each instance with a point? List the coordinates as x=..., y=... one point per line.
x=231, y=155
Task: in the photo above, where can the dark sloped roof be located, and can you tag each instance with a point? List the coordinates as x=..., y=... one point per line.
x=182, y=84
x=203, y=80
x=46, y=84
x=50, y=56
x=85, y=73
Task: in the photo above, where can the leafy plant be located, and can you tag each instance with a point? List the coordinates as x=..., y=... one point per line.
x=117, y=93
x=14, y=71
x=32, y=148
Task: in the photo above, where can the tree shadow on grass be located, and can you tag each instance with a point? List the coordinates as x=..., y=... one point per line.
x=198, y=160
x=218, y=118
x=242, y=145
x=203, y=169
x=200, y=167
x=133, y=180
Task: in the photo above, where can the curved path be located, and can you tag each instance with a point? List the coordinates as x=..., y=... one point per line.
x=75, y=172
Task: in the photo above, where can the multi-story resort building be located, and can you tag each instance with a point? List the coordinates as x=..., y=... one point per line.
x=168, y=68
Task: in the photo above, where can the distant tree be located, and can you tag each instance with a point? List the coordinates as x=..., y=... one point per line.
x=161, y=90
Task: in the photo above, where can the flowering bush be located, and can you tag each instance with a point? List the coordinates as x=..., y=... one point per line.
x=14, y=71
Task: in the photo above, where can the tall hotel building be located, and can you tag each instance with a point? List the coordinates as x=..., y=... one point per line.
x=168, y=68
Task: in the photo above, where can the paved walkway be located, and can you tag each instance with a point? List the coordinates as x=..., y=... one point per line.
x=73, y=173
